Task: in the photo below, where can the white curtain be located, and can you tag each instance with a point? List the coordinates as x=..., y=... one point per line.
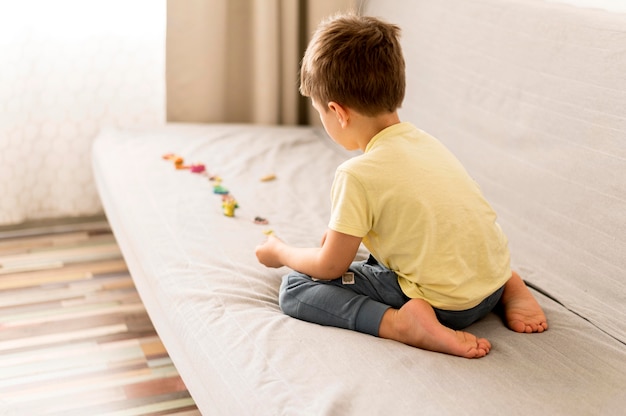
x=67, y=69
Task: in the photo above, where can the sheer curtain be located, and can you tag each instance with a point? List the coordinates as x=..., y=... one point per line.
x=67, y=69
x=238, y=60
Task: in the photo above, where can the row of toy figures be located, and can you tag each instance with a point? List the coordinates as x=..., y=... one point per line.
x=229, y=204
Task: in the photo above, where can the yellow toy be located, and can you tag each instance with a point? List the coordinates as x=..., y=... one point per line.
x=229, y=205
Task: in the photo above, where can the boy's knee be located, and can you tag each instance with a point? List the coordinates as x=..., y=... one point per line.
x=286, y=299
x=282, y=293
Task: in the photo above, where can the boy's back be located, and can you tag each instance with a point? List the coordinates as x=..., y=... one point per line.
x=422, y=216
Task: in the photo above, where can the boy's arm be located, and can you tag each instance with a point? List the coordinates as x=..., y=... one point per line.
x=327, y=262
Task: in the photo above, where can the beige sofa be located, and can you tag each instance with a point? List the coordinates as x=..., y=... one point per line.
x=531, y=96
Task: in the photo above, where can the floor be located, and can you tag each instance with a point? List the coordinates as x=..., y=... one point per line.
x=75, y=338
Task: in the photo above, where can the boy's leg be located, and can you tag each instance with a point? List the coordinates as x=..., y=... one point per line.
x=463, y=319
x=357, y=304
x=521, y=311
x=412, y=322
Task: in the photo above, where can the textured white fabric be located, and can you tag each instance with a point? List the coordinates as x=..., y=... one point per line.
x=216, y=309
x=69, y=67
x=610, y=5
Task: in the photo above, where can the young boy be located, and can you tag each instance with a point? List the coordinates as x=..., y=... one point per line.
x=439, y=261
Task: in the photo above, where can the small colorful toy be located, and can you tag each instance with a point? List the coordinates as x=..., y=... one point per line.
x=197, y=168
x=229, y=205
x=260, y=220
x=179, y=162
x=268, y=232
x=218, y=188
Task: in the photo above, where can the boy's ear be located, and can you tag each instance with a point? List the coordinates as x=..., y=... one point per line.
x=342, y=113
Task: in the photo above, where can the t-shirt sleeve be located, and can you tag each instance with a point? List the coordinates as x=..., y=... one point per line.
x=350, y=211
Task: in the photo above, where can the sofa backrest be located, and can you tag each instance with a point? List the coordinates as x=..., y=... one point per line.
x=531, y=96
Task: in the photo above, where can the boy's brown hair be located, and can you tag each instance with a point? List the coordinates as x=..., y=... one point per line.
x=357, y=62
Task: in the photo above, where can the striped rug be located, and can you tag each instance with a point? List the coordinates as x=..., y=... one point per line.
x=75, y=338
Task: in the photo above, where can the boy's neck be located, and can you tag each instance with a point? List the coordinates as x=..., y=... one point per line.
x=368, y=127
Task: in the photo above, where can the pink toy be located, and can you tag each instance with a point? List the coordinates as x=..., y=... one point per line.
x=197, y=168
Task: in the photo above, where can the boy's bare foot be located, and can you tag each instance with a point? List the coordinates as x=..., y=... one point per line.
x=521, y=311
x=416, y=324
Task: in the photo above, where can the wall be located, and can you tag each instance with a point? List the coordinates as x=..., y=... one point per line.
x=70, y=67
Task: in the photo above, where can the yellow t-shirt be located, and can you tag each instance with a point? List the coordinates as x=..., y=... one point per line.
x=421, y=215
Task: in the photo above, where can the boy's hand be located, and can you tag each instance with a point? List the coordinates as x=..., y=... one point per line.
x=267, y=253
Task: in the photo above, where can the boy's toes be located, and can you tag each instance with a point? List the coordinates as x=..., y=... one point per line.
x=517, y=326
x=539, y=325
x=527, y=326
